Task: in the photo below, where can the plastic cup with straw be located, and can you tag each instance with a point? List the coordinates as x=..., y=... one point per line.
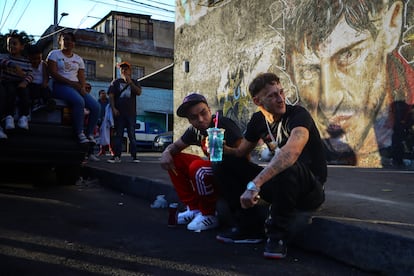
x=215, y=132
x=215, y=136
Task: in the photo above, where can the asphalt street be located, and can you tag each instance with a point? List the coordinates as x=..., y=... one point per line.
x=366, y=221
x=87, y=229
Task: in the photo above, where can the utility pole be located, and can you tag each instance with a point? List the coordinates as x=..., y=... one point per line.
x=115, y=33
x=55, y=24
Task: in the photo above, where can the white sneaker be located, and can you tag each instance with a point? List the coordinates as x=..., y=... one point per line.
x=93, y=157
x=91, y=139
x=187, y=216
x=2, y=134
x=82, y=138
x=10, y=122
x=201, y=222
x=23, y=122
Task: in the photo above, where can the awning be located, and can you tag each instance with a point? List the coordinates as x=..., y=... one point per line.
x=162, y=78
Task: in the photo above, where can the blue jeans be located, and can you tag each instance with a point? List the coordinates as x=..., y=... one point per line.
x=120, y=123
x=78, y=103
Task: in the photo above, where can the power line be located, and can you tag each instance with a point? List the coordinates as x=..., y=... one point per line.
x=147, y=5
x=4, y=8
x=86, y=16
x=5, y=20
x=134, y=3
x=18, y=21
x=129, y=7
x=161, y=3
x=156, y=8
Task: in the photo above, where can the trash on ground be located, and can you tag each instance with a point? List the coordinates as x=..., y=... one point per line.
x=160, y=202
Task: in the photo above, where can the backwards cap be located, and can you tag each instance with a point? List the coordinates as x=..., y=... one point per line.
x=189, y=101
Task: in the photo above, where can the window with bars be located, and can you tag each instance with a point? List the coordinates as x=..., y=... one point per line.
x=135, y=27
x=90, y=68
x=137, y=72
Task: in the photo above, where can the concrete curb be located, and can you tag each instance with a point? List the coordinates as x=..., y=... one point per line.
x=142, y=187
x=373, y=246
x=367, y=245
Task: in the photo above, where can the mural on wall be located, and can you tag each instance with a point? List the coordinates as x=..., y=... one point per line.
x=344, y=58
x=189, y=11
x=246, y=57
x=348, y=62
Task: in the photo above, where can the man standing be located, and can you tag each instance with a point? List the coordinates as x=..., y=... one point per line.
x=292, y=180
x=191, y=175
x=122, y=97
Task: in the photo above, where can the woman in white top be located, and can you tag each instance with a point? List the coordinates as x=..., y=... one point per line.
x=68, y=72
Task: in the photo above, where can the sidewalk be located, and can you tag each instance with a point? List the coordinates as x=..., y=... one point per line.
x=367, y=219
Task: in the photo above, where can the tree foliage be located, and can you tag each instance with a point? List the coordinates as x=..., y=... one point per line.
x=28, y=39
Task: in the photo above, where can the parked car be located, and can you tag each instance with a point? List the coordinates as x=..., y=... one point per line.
x=49, y=146
x=145, y=133
x=162, y=141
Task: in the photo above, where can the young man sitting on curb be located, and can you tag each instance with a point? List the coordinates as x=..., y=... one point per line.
x=293, y=180
x=191, y=175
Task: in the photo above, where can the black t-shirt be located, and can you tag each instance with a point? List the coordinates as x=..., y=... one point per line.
x=125, y=99
x=313, y=153
x=232, y=133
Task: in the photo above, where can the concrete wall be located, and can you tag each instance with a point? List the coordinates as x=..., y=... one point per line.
x=348, y=78
x=163, y=34
x=103, y=58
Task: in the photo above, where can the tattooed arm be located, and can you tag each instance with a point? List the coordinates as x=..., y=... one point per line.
x=285, y=158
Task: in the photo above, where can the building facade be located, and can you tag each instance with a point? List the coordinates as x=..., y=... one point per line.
x=148, y=45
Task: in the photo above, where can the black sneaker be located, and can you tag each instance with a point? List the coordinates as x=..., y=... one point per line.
x=275, y=249
x=236, y=235
x=50, y=105
x=114, y=159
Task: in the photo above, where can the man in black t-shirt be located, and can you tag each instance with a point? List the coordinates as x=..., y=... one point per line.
x=122, y=98
x=191, y=175
x=292, y=180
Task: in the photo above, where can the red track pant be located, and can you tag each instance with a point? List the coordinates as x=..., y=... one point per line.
x=193, y=182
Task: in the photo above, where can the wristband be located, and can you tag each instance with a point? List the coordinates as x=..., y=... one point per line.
x=252, y=187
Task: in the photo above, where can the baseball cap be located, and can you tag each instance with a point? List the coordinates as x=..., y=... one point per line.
x=189, y=101
x=124, y=63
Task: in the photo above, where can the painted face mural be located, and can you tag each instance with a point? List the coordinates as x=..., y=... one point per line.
x=348, y=62
x=342, y=73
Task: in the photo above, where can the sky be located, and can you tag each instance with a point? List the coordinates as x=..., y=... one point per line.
x=35, y=16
